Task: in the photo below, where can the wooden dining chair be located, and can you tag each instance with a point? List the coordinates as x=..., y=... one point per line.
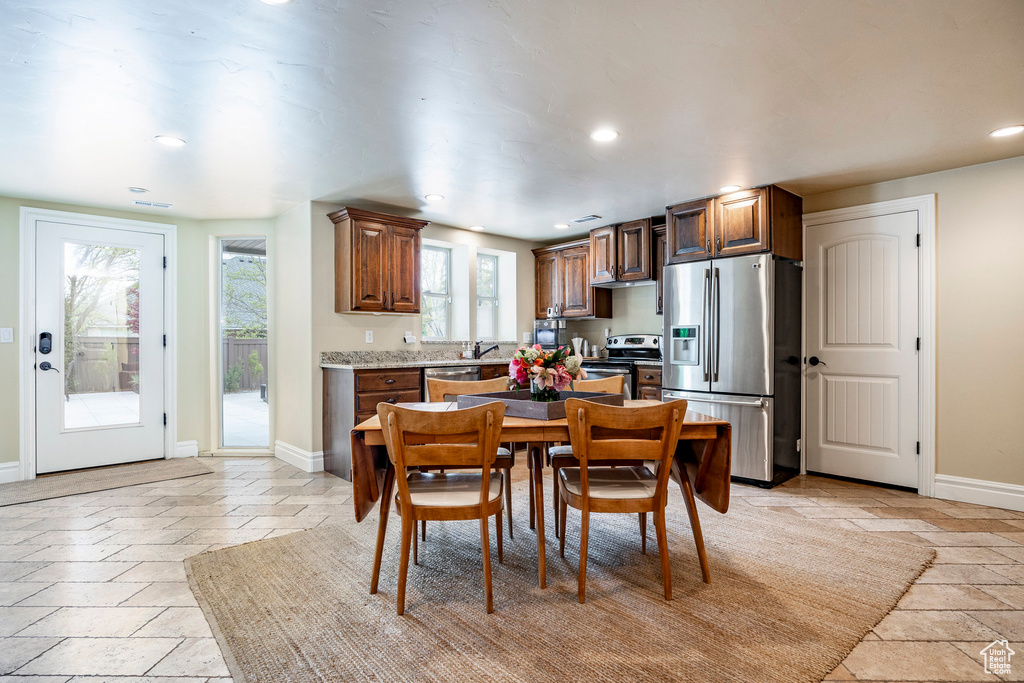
x=448, y=390
x=452, y=439
x=601, y=434
x=559, y=456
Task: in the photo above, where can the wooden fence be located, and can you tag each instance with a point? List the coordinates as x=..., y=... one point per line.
x=237, y=352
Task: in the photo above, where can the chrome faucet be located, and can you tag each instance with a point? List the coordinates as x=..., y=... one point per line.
x=477, y=353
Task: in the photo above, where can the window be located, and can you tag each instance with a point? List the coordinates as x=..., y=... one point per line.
x=245, y=356
x=435, y=304
x=486, y=296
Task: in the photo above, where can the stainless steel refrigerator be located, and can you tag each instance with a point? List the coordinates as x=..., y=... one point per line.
x=731, y=348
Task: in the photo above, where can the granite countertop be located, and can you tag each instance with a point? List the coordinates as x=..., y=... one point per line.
x=425, y=358
x=383, y=364
x=649, y=363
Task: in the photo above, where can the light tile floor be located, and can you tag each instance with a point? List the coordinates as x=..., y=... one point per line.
x=92, y=587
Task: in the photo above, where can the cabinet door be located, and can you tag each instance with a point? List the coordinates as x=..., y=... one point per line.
x=369, y=266
x=634, y=251
x=404, y=266
x=689, y=229
x=659, y=265
x=576, y=295
x=741, y=223
x=603, y=259
x=547, y=280
x=648, y=393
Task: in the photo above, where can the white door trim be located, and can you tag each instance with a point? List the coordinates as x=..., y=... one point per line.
x=924, y=205
x=27, y=320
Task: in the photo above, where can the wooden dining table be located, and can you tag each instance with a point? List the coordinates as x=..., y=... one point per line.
x=703, y=455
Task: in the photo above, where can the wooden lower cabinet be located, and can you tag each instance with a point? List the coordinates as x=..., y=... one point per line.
x=350, y=397
x=648, y=383
x=493, y=370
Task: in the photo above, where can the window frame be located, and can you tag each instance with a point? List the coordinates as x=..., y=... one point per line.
x=446, y=296
x=494, y=299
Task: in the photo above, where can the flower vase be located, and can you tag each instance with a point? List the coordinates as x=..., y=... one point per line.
x=538, y=393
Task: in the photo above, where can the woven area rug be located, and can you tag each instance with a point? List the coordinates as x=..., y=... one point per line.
x=789, y=599
x=99, y=480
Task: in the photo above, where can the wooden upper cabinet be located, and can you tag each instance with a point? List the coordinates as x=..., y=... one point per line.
x=547, y=279
x=744, y=222
x=376, y=262
x=689, y=227
x=634, y=251
x=741, y=223
x=603, y=258
x=576, y=294
x=659, y=264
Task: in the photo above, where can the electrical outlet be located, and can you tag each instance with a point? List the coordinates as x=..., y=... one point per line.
x=369, y=336
x=6, y=335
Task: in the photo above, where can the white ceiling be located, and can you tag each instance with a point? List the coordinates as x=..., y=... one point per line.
x=491, y=103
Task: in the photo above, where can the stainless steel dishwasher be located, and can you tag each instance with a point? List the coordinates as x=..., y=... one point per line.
x=455, y=373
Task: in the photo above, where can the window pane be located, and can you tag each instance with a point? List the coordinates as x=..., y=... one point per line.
x=485, y=270
x=435, y=316
x=101, y=335
x=434, y=270
x=485, y=319
x=244, y=349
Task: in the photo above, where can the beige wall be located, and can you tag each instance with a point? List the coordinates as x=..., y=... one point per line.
x=347, y=332
x=979, y=311
x=633, y=312
x=194, y=422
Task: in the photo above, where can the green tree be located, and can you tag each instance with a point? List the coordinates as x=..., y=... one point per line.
x=244, y=296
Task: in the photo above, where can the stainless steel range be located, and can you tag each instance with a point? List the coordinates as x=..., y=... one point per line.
x=623, y=352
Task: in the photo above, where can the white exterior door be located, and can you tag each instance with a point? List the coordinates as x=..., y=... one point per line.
x=861, y=326
x=99, y=309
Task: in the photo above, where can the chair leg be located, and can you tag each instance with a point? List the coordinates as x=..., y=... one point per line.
x=666, y=570
x=508, y=500
x=643, y=532
x=382, y=526
x=408, y=531
x=584, y=533
x=415, y=546
x=500, y=534
x=554, y=497
x=529, y=459
x=423, y=523
x=562, y=509
x=698, y=537
x=485, y=547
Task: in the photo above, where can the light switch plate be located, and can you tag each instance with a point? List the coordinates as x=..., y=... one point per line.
x=6, y=335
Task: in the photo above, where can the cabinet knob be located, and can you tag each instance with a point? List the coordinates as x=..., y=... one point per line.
x=392, y=400
x=718, y=245
x=709, y=245
x=389, y=381
x=648, y=376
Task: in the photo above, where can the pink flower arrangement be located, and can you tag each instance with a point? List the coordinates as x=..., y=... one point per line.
x=548, y=371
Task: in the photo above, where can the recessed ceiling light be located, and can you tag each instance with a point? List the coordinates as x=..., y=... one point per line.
x=434, y=197
x=170, y=141
x=729, y=188
x=138, y=190
x=562, y=226
x=277, y=2
x=1008, y=130
x=476, y=228
x=604, y=134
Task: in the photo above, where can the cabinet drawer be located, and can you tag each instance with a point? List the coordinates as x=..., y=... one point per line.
x=649, y=393
x=650, y=376
x=363, y=417
x=381, y=380
x=492, y=371
x=367, y=402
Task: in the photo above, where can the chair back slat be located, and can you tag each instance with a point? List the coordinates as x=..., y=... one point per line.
x=447, y=389
x=604, y=385
x=442, y=455
x=603, y=432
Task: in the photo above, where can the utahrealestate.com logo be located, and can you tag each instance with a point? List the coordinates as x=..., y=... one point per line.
x=997, y=657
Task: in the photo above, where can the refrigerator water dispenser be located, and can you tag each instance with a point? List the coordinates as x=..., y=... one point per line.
x=685, y=345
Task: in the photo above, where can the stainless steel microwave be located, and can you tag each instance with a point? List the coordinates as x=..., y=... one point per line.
x=550, y=334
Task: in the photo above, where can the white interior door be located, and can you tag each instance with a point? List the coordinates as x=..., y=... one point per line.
x=99, y=298
x=862, y=327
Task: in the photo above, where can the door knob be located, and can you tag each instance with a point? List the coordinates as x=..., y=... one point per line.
x=45, y=365
x=814, y=360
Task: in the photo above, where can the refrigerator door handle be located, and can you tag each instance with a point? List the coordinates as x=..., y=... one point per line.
x=716, y=295
x=746, y=403
x=705, y=318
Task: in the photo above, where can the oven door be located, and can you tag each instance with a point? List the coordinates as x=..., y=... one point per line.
x=602, y=370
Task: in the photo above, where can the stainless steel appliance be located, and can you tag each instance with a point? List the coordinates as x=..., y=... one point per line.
x=732, y=330
x=455, y=373
x=623, y=352
x=550, y=334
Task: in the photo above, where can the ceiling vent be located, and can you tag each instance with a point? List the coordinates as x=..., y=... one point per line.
x=586, y=219
x=150, y=205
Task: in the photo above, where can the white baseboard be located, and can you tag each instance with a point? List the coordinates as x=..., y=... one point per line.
x=10, y=471
x=980, y=492
x=186, y=449
x=304, y=460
